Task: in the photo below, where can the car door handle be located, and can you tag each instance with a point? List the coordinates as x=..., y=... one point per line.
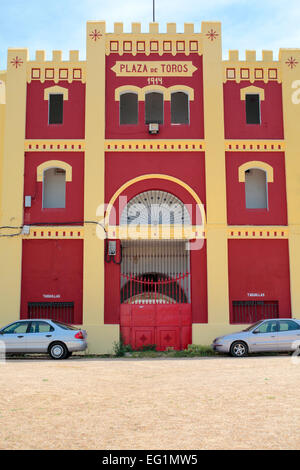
x=48, y=336
x=20, y=336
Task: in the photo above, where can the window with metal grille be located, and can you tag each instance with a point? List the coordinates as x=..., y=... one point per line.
x=179, y=108
x=56, y=105
x=60, y=311
x=253, y=109
x=154, y=108
x=128, y=108
x=253, y=311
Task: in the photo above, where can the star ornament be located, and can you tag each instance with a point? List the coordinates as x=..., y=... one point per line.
x=212, y=35
x=292, y=63
x=17, y=62
x=95, y=35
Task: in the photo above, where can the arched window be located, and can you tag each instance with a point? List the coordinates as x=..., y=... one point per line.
x=256, y=189
x=54, y=188
x=155, y=208
x=154, y=108
x=179, y=108
x=129, y=108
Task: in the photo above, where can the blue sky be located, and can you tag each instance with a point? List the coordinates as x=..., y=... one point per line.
x=60, y=24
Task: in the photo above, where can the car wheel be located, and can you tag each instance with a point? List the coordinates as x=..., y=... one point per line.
x=239, y=349
x=58, y=351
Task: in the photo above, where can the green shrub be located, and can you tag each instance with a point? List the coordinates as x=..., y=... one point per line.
x=193, y=350
x=119, y=348
x=147, y=354
x=147, y=347
x=198, y=350
x=149, y=350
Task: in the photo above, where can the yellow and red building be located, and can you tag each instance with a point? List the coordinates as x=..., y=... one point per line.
x=158, y=129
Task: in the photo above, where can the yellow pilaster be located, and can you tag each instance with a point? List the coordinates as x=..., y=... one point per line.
x=217, y=272
x=12, y=184
x=290, y=69
x=93, y=278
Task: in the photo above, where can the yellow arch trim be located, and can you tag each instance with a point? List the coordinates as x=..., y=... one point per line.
x=141, y=92
x=53, y=164
x=252, y=90
x=259, y=165
x=185, y=89
x=56, y=90
x=128, y=89
x=156, y=89
x=154, y=176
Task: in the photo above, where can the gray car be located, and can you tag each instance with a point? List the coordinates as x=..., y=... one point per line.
x=277, y=335
x=57, y=339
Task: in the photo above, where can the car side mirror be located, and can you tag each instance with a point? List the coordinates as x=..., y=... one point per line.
x=255, y=332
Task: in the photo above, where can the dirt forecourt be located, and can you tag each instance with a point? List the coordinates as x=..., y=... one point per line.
x=207, y=403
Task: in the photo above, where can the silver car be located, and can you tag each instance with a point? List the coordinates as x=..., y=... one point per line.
x=57, y=339
x=280, y=335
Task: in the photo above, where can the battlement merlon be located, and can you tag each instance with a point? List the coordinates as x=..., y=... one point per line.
x=136, y=28
x=40, y=56
x=153, y=41
x=171, y=41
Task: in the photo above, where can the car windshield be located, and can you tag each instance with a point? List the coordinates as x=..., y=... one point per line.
x=64, y=326
x=253, y=326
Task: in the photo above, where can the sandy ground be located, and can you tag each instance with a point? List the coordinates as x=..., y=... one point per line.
x=209, y=403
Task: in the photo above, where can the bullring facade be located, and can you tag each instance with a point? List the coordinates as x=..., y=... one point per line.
x=151, y=190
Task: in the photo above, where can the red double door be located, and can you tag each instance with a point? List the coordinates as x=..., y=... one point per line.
x=166, y=326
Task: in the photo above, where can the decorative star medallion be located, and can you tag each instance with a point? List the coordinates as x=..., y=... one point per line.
x=292, y=63
x=17, y=62
x=95, y=35
x=212, y=35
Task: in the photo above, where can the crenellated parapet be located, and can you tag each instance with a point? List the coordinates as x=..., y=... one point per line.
x=41, y=70
x=173, y=42
x=152, y=42
x=57, y=69
x=251, y=69
x=266, y=70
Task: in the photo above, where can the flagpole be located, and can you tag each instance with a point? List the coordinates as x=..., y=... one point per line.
x=153, y=11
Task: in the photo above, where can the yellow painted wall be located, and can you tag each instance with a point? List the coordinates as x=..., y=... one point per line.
x=2, y=126
x=216, y=229
x=291, y=115
x=93, y=278
x=216, y=71
x=12, y=185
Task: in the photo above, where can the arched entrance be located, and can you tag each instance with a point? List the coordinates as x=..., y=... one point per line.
x=155, y=274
